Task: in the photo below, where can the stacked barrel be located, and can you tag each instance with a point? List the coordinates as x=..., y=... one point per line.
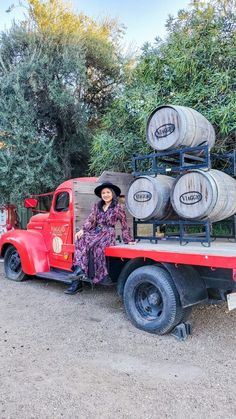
x=193, y=195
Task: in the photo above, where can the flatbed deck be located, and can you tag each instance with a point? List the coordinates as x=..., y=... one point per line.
x=221, y=253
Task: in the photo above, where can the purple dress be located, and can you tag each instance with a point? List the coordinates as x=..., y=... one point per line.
x=99, y=232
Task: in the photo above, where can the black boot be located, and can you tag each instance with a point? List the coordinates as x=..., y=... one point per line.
x=76, y=286
x=77, y=272
x=106, y=281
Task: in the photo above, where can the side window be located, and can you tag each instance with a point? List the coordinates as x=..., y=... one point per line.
x=62, y=202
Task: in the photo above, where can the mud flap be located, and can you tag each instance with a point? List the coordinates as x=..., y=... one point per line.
x=190, y=286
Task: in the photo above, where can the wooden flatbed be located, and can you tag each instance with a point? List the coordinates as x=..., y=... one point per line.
x=221, y=253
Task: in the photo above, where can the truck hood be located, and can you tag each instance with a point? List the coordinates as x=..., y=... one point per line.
x=37, y=221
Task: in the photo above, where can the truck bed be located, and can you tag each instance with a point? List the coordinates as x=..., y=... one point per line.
x=221, y=253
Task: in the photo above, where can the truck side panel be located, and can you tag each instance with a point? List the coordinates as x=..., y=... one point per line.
x=219, y=255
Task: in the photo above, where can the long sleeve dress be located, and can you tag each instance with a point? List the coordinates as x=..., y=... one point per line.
x=99, y=232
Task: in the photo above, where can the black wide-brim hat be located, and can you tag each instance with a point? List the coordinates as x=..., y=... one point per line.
x=108, y=185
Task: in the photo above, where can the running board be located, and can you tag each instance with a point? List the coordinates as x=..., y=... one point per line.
x=56, y=275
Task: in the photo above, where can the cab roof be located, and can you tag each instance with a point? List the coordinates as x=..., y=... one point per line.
x=68, y=184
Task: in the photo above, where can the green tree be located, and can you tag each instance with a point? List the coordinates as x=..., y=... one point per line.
x=99, y=40
x=42, y=124
x=194, y=67
x=58, y=72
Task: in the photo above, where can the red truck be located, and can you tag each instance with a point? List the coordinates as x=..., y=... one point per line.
x=158, y=282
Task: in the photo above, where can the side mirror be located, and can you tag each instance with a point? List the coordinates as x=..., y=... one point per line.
x=30, y=203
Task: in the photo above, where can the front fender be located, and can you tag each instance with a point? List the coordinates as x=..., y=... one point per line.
x=31, y=248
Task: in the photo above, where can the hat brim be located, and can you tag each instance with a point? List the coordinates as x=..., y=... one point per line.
x=98, y=189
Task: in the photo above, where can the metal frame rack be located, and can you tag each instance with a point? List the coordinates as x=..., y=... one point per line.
x=231, y=222
x=177, y=161
x=182, y=235
x=227, y=160
x=205, y=236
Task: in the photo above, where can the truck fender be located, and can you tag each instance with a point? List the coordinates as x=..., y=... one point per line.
x=190, y=286
x=31, y=248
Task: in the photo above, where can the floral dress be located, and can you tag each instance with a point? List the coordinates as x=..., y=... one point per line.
x=99, y=232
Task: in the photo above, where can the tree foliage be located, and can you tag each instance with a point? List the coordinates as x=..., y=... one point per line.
x=58, y=72
x=100, y=42
x=27, y=159
x=194, y=67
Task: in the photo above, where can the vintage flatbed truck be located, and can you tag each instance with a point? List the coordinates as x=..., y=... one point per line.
x=158, y=282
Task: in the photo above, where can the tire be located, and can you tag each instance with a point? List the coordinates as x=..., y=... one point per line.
x=12, y=265
x=151, y=300
x=183, y=312
x=129, y=267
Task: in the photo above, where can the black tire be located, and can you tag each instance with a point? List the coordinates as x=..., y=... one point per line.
x=129, y=267
x=183, y=312
x=151, y=300
x=12, y=265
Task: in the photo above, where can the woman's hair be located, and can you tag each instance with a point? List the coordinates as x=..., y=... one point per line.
x=113, y=202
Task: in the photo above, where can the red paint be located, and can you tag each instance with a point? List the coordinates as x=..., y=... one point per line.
x=213, y=261
x=30, y=202
x=45, y=232
x=31, y=248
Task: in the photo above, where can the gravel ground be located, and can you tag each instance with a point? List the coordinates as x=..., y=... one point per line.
x=79, y=357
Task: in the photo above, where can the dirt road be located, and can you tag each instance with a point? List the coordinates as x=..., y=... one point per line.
x=79, y=357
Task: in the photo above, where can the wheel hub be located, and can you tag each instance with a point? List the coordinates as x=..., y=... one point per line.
x=154, y=298
x=15, y=262
x=149, y=301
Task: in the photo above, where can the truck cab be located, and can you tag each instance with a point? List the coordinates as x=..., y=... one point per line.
x=46, y=247
x=47, y=243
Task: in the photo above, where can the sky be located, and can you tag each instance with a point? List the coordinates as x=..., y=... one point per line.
x=144, y=19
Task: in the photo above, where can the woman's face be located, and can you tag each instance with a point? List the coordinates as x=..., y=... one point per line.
x=107, y=195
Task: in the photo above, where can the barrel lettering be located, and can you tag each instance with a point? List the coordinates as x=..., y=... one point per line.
x=164, y=130
x=190, y=198
x=142, y=196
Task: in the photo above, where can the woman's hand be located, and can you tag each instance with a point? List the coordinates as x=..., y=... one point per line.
x=79, y=234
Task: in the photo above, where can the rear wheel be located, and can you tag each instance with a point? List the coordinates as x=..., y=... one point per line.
x=12, y=265
x=151, y=300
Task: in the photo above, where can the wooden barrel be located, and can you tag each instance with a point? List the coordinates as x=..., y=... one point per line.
x=178, y=126
x=149, y=197
x=199, y=195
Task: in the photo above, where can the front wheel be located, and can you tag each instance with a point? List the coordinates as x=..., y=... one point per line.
x=12, y=265
x=151, y=300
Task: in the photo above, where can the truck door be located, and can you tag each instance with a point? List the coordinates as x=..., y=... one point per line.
x=60, y=230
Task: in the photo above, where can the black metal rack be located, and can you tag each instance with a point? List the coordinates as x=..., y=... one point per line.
x=177, y=161
x=205, y=234
x=182, y=234
x=228, y=222
x=172, y=161
x=227, y=161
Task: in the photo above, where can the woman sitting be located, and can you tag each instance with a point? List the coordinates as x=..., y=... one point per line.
x=97, y=233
